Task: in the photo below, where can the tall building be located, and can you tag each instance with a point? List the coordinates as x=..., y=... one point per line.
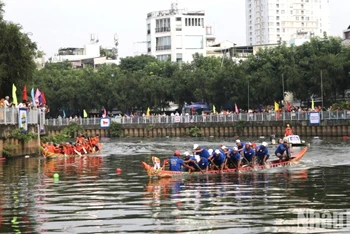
x=176, y=34
x=272, y=21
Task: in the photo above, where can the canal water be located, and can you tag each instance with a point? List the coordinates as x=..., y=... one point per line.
x=92, y=196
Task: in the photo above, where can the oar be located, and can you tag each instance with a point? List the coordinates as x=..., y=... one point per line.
x=198, y=166
x=211, y=160
x=78, y=153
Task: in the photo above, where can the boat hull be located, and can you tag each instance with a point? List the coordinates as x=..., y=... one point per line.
x=160, y=173
x=48, y=155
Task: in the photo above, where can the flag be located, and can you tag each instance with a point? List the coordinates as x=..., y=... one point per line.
x=214, y=109
x=14, y=95
x=288, y=106
x=236, y=108
x=148, y=112
x=312, y=104
x=24, y=93
x=32, y=94
x=64, y=114
x=43, y=98
x=192, y=110
x=277, y=107
x=36, y=98
x=104, y=113
x=85, y=115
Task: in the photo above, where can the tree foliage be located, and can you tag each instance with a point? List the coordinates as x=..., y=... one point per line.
x=143, y=81
x=16, y=55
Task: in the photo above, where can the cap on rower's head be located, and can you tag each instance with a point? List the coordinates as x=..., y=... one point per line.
x=238, y=141
x=248, y=143
x=235, y=148
x=177, y=153
x=217, y=151
x=195, y=146
x=223, y=147
x=285, y=141
x=210, y=151
x=186, y=154
x=264, y=144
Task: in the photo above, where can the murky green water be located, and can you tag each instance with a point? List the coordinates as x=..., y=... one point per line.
x=91, y=197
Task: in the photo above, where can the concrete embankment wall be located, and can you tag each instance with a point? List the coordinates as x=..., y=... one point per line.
x=328, y=128
x=13, y=147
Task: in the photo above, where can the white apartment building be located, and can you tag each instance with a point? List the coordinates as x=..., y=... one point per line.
x=176, y=33
x=271, y=21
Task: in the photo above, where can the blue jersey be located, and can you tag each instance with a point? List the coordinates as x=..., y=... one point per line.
x=281, y=149
x=204, y=153
x=192, y=164
x=203, y=163
x=219, y=159
x=248, y=154
x=261, y=152
x=176, y=163
x=235, y=156
x=242, y=146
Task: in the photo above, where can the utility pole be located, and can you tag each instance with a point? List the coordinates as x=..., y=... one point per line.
x=322, y=88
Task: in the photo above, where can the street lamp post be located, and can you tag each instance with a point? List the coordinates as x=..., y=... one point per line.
x=322, y=88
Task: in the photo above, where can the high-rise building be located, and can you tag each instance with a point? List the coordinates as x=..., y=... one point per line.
x=273, y=21
x=176, y=34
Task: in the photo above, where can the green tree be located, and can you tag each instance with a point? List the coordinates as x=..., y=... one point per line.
x=16, y=55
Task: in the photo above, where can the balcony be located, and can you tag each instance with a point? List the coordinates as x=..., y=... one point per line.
x=163, y=29
x=165, y=47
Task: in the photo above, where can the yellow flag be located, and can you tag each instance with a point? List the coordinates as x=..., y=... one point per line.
x=85, y=115
x=14, y=96
x=214, y=109
x=277, y=107
x=312, y=104
x=148, y=112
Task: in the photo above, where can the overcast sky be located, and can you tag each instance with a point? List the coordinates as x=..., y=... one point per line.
x=69, y=23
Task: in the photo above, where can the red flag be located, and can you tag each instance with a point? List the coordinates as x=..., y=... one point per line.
x=24, y=94
x=43, y=98
x=288, y=106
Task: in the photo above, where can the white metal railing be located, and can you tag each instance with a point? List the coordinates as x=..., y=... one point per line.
x=9, y=115
x=284, y=116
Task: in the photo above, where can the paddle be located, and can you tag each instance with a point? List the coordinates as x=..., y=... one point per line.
x=211, y=160
x=78, y=153
x=198, y=166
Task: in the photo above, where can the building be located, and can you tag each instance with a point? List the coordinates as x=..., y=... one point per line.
x=176, y=34
x=346, y=33
x=92, y=54
x=274, y=21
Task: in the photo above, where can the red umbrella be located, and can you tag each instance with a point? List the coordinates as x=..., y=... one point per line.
x=24, y=94
x=43, y=98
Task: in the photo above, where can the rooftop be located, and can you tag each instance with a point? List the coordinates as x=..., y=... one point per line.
x=174, y=11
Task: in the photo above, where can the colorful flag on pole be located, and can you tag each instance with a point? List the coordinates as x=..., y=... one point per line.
x=277, y=107
x=43, y=98
x=24, y=93
x=14, y=95
x=236, y=108
x=214, y=109
x=64, y=114
x=148, y=113
x=36, y=98
x=312, y=104
x=104, y=113
x=32, y=94
x=288, y=106
x=85, y=115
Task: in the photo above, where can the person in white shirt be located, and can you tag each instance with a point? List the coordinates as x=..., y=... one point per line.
x=7, y=102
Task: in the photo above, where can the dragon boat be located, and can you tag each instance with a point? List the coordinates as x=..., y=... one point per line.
x=48, y=154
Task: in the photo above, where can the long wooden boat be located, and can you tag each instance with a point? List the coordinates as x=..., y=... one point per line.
x=48, y=154
x=160, y=173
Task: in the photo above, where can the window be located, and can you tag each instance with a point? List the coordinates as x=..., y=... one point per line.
x=199, y=22
x=163, y=43
x=179, y=58
x=178, y=18
x=163, y=25
x=185, y=21
x=192, y=22
x=277, y=18
x=148, y=29
x=164, y=57
x=195, y=22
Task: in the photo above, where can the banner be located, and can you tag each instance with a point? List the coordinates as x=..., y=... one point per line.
x=314, y=118
x=105, y=122
x=23, y=119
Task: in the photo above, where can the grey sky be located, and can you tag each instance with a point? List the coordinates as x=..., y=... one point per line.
x=64, y=23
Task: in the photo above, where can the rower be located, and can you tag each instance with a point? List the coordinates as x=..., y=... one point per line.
x=288, y=131
x=218, y=160
x=240, y=145
x=235, y=157
x=176, y=163
x=282, y=151
x=226, y=152
x=203, y=164
x=262, y=153
x=190, y=161
x=248, y=153
x=203, y=152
